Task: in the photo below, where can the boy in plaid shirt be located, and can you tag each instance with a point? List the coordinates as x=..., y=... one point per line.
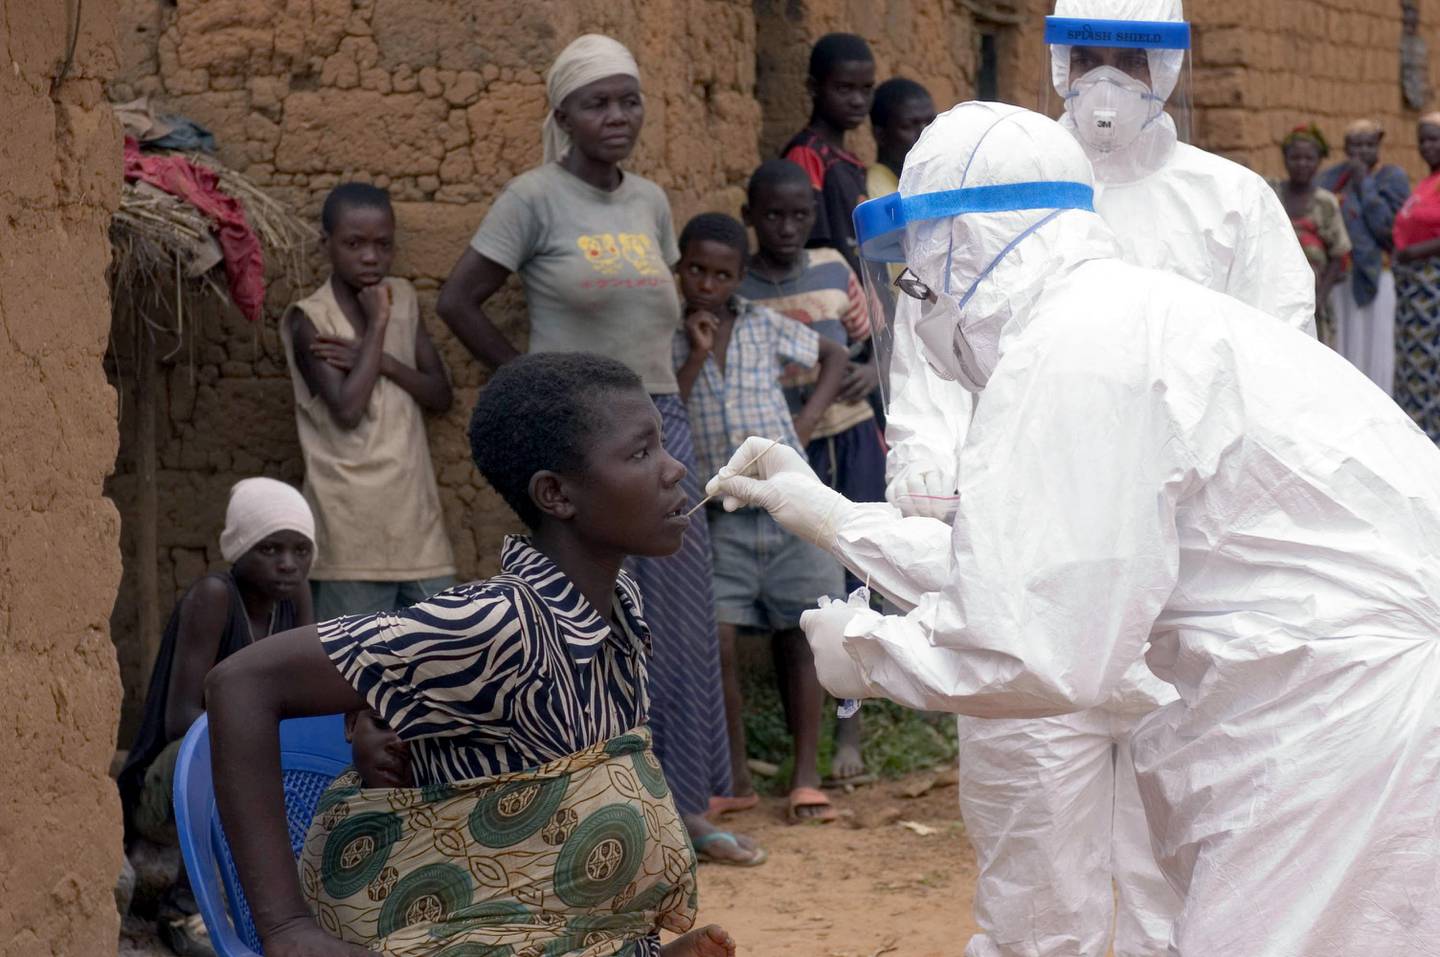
x=729, y=360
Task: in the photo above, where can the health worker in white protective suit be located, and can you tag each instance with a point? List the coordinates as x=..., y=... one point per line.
x=1173, y=207
x=1151, y=461
x=1050, y=804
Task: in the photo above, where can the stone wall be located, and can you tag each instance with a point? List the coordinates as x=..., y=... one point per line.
x=441, y=101
x=59, y=182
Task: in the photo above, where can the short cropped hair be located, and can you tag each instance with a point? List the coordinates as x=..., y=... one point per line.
x=890, y=95
x=350, y=196
x=717, y=228
x=833, y=49
x=538, y=412
x=772, y=173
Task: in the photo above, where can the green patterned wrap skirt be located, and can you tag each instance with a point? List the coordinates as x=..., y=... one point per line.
x=582, y=857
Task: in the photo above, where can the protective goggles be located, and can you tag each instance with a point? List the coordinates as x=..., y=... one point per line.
x=1134, y=34
x=880, y=224
x=880, y=228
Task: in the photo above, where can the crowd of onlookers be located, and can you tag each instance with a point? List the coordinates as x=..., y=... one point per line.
x=727, y=339
x=1373, y=242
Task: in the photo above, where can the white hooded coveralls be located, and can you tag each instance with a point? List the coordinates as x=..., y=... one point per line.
x=1152, y=461
x=1050, y=804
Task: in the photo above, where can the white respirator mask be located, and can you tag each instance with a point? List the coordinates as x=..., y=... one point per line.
x=1111, y=109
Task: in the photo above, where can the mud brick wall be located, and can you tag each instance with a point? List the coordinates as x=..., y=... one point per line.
x=59, y=564
x=1263, y=68
x=929, y=41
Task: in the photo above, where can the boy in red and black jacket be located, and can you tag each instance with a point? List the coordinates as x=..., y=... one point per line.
x=841, y=86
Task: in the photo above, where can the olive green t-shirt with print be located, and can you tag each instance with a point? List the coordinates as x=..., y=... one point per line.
x=595, y=265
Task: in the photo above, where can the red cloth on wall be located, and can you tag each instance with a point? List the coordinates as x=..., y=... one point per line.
x=200, y=187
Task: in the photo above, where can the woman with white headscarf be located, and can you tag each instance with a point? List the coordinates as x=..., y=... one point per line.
x=268, y=542
x=594, y=245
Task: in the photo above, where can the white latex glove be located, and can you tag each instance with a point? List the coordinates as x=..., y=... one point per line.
x=926, y=491
x=824, y=627
x=785, y=486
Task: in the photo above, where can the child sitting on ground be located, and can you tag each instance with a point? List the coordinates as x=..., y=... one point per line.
x=269, y=542
x=816, y=288
x=729, y=359
x=363, y=370
x=540, y=819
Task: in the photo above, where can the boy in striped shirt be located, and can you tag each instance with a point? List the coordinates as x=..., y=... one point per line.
x=818, y=288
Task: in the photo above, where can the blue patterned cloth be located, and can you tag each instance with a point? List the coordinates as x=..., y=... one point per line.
x=1417, y=343
x=687, y=704
x=745, y=399
x=499, y=675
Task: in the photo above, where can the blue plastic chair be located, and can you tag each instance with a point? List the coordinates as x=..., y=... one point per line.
x=313, y=752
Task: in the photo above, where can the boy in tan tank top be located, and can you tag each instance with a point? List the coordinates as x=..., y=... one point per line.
x=364, y=371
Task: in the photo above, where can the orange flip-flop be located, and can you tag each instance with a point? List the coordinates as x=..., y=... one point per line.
x=721, y=805
x=811, y=797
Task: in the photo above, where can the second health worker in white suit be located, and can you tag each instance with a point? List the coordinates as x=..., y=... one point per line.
x=1050, y=804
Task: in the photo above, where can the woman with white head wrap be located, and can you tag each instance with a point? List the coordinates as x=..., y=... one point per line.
x=594, y=245
x=268, y=541
x=588, y=59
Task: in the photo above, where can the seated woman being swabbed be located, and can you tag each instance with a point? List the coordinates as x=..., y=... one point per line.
x=539, y=820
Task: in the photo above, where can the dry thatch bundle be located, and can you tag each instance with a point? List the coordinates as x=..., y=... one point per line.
x=165, y=262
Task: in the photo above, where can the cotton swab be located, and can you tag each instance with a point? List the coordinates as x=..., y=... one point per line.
x=741, y=471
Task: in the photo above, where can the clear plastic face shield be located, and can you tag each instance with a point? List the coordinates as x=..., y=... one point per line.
x=917, y=323
x=1122, y=87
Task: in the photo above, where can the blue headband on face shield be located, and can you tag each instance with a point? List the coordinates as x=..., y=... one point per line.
x=1134, y=34
x=880, y=223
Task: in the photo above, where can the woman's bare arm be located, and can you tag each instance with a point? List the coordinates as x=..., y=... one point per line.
x=247, y=695
x=461, y=306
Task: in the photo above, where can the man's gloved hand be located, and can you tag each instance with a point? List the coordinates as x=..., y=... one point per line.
x=924, y=489
x=824, y=627
x=785, y=486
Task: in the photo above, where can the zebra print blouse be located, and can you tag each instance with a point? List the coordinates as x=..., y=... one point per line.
x=499, y=675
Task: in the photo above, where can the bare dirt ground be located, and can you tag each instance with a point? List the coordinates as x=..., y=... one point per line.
x=864, y=886
x=894, y=876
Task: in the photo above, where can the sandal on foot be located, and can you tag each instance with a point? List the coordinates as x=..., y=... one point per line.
x=757, y=856
x=721, y=805
x=811, y=798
